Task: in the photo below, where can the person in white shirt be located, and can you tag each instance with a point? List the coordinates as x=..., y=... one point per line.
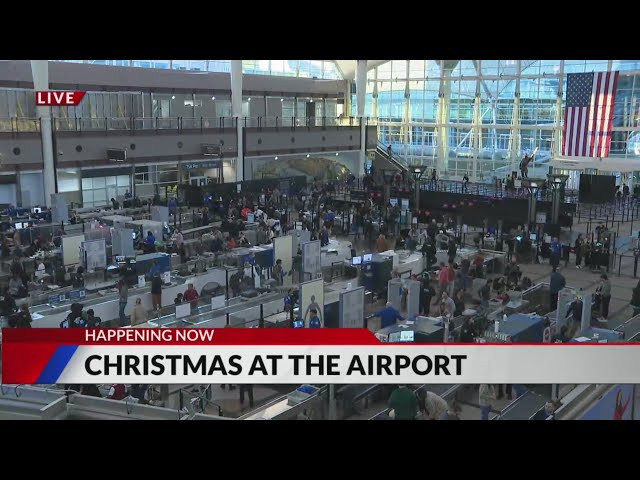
x=179, y=240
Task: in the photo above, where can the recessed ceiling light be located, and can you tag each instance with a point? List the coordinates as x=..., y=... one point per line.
x=173, y=97
x=276, y=158
x=282, y=99
x=249, y=99
x=308, y=155
x=213, y=98
x=337, y=154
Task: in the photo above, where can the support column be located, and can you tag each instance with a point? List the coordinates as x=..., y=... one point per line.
x=443, y=116
x=374, y=106
x=406, y=119
x=556, y=149
x=236, y=111
x=133, y=181
x=361, y=95
x=477, y=127
x=40, y=73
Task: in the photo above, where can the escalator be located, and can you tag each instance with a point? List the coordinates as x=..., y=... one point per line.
x=384, y=161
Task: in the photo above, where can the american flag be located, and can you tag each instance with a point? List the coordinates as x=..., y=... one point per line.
x=588, y=116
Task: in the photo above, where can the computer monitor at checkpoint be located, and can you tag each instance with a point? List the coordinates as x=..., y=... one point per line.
x=356, y=261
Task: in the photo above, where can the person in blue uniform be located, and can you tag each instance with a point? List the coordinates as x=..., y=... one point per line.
x=314, y=320
x=388, y=316
x=150, y=242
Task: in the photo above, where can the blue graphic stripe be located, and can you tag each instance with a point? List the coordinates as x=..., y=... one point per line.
x=57, y=364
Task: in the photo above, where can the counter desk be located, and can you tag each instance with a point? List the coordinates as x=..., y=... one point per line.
x=208, y=317
x=599, y=335
x=106, y=305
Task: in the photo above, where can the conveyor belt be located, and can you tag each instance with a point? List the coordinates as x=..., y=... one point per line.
x=523, y=408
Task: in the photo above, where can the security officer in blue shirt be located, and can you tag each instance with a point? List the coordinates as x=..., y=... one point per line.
x=290, y=300
x=388, y=316
x=150, y=242
x=314, y=320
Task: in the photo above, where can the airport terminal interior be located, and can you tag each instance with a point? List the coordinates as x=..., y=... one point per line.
x=440, y=200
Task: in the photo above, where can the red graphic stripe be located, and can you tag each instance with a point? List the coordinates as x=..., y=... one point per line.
x=24, y=362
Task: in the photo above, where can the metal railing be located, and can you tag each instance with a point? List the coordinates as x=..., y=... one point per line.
x=393, y=157
x=16, y=125
x=200, y=400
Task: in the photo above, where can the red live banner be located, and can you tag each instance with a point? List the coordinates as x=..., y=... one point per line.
x=52, y=98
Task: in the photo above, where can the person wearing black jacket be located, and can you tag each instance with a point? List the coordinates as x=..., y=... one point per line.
x=547, y=413
x=575, y=312
x=427, y=292
x=458, y=299
x=452, y=249
x=7, y=304
x=92, y=320
x=468, y=331
x=90, y=391
x=156, y=291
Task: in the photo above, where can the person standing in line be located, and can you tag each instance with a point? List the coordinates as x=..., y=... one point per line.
x=556, y=252
x=485, y=294
x=278, y=273
x=381, y=244
x=449, y=305
x=605, y=295
x=123, y=292
x=556, y=283
x=249, y=390
x=577, y=248
x=24, y=318
x=191, y=295
x=139, y=313
x=452, y=249
x=444, y=278
x=427, y=293
x=156, y=291
x=179, y=239
x=487, y=395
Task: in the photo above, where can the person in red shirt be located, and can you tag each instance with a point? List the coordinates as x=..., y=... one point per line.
x=231, y=243
x=191, y=296
x=117, y=391
x=444, y=276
